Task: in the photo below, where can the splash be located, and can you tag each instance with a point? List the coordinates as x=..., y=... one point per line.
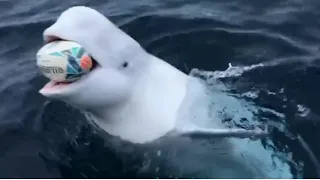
x=224, y=104
x=235, y=111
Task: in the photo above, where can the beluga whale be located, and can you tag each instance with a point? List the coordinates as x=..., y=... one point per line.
x=132, y=94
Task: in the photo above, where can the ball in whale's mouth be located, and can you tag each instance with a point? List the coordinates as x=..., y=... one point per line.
x=55, y=85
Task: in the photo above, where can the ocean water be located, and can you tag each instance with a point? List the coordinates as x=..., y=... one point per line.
x=265, y=53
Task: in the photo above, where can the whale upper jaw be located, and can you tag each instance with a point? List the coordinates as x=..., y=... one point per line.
x=138, y=103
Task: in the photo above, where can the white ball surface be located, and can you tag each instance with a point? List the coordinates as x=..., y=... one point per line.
x=63, y=61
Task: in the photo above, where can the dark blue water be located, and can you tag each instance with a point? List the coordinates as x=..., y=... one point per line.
x=41, y=138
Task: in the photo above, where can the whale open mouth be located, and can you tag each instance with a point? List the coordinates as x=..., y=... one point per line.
x=56, y=86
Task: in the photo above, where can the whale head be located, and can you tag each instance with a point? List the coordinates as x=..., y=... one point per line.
x=117, y=55
x=132, y=93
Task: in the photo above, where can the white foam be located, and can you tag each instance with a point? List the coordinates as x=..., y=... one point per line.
x=231, y=71
x=303, y=110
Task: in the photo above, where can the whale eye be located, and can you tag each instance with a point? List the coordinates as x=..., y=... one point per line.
x=125, y=64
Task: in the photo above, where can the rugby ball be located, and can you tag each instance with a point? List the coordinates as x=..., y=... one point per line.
x=63, y=61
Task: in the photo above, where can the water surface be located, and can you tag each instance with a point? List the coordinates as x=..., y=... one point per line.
x=272, y=46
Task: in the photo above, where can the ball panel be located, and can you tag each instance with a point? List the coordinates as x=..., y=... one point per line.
x=53, y=67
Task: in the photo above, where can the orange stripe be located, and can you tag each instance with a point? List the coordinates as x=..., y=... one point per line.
x=86, y=63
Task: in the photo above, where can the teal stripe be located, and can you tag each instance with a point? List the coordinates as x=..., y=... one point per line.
x=71, y=70
x=74, y=51
x=56, y=54
x=80, y=53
